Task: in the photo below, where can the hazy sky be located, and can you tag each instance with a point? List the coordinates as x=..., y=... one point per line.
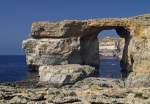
x=16, y=16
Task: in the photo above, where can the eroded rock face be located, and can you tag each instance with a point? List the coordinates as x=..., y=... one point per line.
x=140, y=53
x=140, y=57
x=75, y=42
x=60, y=29
x=52, y=51
x=59, y=75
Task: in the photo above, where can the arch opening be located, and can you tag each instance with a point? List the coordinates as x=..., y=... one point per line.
x=109, y=54
x=90, y=51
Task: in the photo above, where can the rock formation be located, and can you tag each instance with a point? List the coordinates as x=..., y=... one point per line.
x=75, y=42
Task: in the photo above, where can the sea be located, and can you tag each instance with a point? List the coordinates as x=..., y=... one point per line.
x=13, y=68
x=110, y=67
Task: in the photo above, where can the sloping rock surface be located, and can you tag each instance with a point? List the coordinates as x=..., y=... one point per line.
x=59, y=75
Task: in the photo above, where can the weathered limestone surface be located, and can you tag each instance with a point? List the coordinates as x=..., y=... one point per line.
x=52, y=51
x=88, y=91
x=75, y=42
x=70, y=28
x=57, y=29
x=59, y=75
x=140, y=55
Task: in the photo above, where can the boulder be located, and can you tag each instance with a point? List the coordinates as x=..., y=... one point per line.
x=59, y=75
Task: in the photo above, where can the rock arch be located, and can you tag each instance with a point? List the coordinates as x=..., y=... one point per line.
x=89, y=45
x=75, y=42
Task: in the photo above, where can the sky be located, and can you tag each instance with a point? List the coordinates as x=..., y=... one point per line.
x=16, y=16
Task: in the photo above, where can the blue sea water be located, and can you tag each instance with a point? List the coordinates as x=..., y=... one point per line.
x=109, y=67
x=12, y=68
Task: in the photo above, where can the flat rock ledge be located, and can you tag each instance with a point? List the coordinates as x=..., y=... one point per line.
x=88, y=91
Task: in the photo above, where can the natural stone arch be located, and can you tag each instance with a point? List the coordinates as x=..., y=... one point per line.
x=57, y=43
x=90, y=46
